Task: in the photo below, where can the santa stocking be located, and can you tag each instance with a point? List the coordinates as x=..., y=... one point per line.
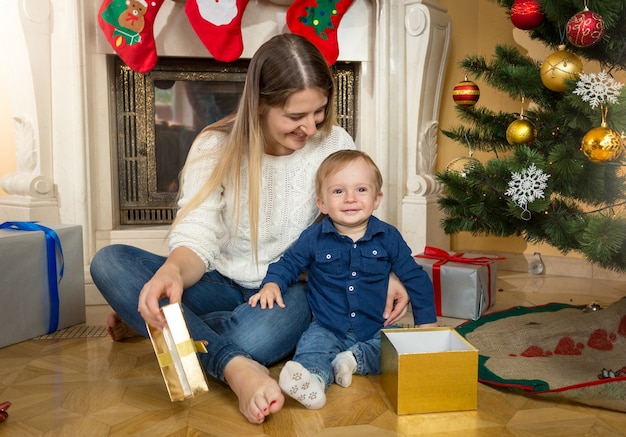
x=128, y=26
x=317, y=21
x=218, y=25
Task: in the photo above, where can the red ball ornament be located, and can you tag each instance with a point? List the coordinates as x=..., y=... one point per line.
x=526, y=14
x=466, y=93
x=585, y=29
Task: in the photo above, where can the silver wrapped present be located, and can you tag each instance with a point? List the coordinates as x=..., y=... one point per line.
x=42, y=280
x=464, y=284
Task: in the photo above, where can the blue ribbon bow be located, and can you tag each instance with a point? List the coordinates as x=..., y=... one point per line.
x=53, y=243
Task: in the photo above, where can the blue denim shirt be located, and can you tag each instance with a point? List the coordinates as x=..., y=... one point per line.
x=348, y=280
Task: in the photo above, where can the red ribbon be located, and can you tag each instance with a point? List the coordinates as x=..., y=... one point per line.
x=443, y=257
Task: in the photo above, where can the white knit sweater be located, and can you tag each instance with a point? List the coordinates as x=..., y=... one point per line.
x=287, y=206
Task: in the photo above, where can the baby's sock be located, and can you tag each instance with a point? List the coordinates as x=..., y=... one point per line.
x=302, y=385
x=344, y=365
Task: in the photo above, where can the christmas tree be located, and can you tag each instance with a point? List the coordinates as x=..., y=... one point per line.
x=557, y=172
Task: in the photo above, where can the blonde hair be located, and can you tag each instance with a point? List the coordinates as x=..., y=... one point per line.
x=339, y=160
x=282, y=66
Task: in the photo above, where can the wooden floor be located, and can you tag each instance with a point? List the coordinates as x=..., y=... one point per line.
x=95, y=387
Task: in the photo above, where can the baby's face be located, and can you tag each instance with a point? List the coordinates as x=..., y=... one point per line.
x=350, y=196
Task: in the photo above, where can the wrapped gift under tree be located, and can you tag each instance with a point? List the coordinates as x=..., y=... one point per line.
x=465, y=285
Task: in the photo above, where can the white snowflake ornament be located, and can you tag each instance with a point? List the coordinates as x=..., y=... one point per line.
x=598, y=89
x=526, y=187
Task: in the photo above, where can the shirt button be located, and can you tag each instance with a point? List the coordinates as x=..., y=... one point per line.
x=353, y=273
x=328, y=256
x=353, y=314
x=351, y=288
x=374, y=252
x=354, y=245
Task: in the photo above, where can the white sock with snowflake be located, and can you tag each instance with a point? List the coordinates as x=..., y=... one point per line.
x=302, y=385
x=344, y=366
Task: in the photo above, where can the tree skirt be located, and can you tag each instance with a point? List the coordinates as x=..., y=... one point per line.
x=556, y=350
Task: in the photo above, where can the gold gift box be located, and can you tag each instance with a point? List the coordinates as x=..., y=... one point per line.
x=176, y=354
x=426, y=370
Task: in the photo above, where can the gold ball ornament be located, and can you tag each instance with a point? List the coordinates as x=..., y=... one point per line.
x=463, y=166
x=602, y=144
x=559, y=67
x=521, y=131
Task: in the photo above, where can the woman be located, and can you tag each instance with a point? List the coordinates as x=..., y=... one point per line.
x=246, y=194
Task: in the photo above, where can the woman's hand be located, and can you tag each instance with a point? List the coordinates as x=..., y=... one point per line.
x=267, y=295
x=166, y=282
x=182, y=269
x=397, y=301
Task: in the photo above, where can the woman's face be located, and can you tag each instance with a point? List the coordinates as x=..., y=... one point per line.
x=287, y=128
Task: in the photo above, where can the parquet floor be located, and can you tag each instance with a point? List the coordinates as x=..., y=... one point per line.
x=95, y=387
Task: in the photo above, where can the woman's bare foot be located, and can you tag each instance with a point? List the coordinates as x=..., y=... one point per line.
x=118, y=329
x=259, y=395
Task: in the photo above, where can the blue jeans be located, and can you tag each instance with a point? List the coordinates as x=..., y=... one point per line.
x=318, y=347
x=216, y=309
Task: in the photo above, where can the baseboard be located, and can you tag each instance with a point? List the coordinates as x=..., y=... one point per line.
x=555, y=266
x=92, y=294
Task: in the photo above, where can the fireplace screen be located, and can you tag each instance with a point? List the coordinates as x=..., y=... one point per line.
x=159, y=114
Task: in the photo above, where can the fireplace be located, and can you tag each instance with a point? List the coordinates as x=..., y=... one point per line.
x=158, y=115
x=63, y=94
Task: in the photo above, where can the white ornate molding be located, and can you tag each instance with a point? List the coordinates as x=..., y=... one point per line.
x=422, y=182
x=427, y=42
x=26, y=181
x=30, y=190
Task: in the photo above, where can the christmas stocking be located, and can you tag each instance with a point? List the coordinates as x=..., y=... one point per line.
x=128, y=26
x=317, y=21
x=218, y=25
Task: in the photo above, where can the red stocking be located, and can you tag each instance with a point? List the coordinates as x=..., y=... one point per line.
x=218, y=25
x=317, y=21
x=128, y=26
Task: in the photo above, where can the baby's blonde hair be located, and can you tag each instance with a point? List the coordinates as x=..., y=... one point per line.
x=338, y=160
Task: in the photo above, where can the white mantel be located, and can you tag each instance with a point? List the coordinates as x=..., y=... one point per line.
x=61, y=96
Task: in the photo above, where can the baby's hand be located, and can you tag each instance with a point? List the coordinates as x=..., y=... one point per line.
x=267, y=295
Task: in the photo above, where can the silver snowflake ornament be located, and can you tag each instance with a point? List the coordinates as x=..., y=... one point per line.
x=527, y=186
x=598, y=89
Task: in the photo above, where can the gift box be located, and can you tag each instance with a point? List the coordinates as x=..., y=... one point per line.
x=42, y=280
x=176, y=353
x=465, y=285
x=427, y=370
